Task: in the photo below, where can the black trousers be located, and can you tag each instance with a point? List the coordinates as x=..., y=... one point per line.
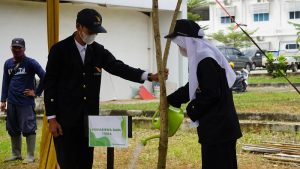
x=20, y=119
x=219, y=156
x=72, y=149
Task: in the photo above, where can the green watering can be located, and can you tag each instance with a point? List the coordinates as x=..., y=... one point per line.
x=175, y=118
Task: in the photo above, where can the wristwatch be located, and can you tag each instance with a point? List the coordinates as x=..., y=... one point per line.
x=149, y=77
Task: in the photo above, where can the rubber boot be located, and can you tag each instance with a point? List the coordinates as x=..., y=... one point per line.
x=16, y=146
x=30, y=141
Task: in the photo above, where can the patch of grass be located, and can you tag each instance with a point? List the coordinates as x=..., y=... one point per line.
x=137, y=106
x=5, y=141
x=252, y=101
x=270, y=79
x=5, y=149
x=267, y=102
x=183, y=151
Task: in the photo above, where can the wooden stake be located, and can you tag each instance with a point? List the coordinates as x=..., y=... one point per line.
x=163, y=141
x=161, y=66
x=282, y=158
x=168, y=43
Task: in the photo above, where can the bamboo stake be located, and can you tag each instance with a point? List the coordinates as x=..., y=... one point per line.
x=168, y=43
x=287, y=155
x=272, y=149
x=161, y=66
x=291, y=147
x=278, y=158
x=291, y=144
x=163, y=141
x=260, y=149
x=275, y=146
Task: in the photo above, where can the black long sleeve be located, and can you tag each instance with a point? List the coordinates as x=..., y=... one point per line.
x=210, y=89
x=50, y=81
x=118, y=68
x=179, y=97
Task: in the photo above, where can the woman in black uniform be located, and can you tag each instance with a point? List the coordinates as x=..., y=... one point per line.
x=211, y=104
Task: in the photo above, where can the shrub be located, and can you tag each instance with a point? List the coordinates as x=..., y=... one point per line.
x=276, y=70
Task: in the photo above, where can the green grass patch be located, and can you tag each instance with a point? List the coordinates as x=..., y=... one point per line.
x=183, y=150
x=268, y=101
x=137, y=106
x=5, y=148
x=270, y=79
x=252, y=101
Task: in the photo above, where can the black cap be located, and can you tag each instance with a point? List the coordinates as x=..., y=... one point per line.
x=91, y=19
x=185, y=27
x=18, y=42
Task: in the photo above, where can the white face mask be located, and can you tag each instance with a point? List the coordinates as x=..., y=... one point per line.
x=88, y=39
x=183, y=51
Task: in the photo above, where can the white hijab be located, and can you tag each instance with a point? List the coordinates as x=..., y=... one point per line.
x=197, y=50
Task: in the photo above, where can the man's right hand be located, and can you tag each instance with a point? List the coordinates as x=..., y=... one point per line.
x=55, y=128
x=3, y=106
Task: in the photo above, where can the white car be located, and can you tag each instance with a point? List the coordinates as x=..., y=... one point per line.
x=291, y=62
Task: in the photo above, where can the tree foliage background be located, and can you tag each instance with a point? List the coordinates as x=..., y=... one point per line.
x=297, y=27
x=192, y=5
x=234, y=37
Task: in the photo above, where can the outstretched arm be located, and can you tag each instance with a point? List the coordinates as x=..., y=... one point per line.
x=118, y=68
x=179, y=97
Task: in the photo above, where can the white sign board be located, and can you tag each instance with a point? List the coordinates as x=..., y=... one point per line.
x=108, y=131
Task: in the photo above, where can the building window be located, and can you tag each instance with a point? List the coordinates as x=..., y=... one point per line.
x=295, y=15
x=226, y=19
x=292, y=46
x=259, y=17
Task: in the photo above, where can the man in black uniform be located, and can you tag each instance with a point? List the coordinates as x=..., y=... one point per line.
x=208, y=90
x=72, y=87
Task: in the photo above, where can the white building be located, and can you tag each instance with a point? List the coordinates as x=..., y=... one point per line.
x=129, y=37
x=269, y=17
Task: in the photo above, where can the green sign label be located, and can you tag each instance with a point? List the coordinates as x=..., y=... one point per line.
x=108, y=131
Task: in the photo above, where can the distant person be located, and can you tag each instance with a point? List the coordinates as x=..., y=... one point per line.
x=211, y=105
x=72, y=88
x=18, y=90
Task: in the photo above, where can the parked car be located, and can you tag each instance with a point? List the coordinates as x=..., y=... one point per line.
x=234, y=55
x=256, y=56
x=275, y=55
x=291, y=62
x=298, y=60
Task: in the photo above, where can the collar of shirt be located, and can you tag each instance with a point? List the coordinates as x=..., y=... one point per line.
x=81, y=49
x=79, y=46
